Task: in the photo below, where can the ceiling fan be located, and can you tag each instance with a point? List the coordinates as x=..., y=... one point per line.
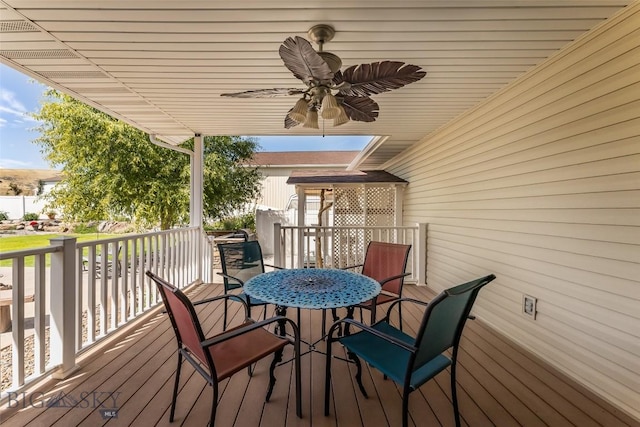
x=337, y=95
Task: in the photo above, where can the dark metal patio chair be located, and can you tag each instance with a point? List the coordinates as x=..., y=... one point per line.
x=240, y=261
x=219, y=357
x=411, y=361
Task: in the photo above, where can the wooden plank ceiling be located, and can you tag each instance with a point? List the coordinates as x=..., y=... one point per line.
x=162, y=65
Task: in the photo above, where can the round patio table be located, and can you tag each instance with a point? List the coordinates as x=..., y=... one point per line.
x=312, y=288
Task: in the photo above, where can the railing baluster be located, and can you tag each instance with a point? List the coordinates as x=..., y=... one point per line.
x=17, y=323
x=39, y=314
x=124, y=294
x=104, y=273
x=91, y=296
x=79, y=297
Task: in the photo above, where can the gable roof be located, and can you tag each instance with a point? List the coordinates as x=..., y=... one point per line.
x=302, y=158
x=343, y=177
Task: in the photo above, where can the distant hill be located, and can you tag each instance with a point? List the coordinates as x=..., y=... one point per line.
x=27, y=179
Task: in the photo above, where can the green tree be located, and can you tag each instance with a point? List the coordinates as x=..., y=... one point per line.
x=111, y=171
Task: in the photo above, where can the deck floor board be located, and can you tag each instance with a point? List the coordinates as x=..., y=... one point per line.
x=499, y=383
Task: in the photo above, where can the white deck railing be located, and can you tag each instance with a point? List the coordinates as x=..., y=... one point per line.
x=339, y=247
x=77, y=294
x=89, y=291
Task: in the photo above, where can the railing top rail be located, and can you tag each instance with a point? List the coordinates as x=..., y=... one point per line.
x=133, y=236
x=29, y=252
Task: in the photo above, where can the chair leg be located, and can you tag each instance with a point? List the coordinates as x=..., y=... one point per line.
x=400, y=315
x=334, y=314
x=175, y=387
x=324, y=322
x=277, y=358
x=327, y=377
x=224, y=317
x=214, y=405
x=454, y=394
x=405, y=408
x=356, y=360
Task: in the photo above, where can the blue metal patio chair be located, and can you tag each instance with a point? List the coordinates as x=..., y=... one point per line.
x=240, y=262
x=407, y=360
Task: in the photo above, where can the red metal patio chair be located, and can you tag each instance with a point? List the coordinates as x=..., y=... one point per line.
x=219, y=357
x=386, y=263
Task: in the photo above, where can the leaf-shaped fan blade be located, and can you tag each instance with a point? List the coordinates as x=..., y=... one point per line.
x=360, y=108
x=378, y=77
x=303, y=61
x=289, y=122
x=265, y=93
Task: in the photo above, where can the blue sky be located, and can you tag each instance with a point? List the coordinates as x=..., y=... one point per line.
x=21, y=95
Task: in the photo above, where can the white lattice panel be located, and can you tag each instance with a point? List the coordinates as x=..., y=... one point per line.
x=360, y=206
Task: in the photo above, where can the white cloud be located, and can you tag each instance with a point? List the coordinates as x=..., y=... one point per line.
x=9, y=98
x=14, y=164
x=3, y=122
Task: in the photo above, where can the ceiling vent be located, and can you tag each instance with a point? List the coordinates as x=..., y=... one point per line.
x=73, y=74
x=37, y=54
x=17, y=27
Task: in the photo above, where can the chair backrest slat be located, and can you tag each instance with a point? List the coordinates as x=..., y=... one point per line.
x=444, y=320
x=242, y=260
x=384, y=260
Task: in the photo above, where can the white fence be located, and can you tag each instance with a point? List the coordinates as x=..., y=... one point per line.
x=89, y=291
x=338, y=247
x=17, y=206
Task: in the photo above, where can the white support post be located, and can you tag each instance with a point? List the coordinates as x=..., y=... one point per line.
x=277, y=249
x=197, y=192
x=398, y=214
x=421, y=252
x=63, y=303
x=302, y=211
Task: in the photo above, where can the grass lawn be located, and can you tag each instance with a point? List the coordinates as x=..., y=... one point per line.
x=31, y=241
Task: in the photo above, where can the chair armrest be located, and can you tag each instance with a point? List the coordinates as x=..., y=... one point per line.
x=401, y=300
x=250, y=327
x=398, y=276
x=275, y=266
x=352, y=266
x=225, y=296
x=226, y=276
x=366, y=328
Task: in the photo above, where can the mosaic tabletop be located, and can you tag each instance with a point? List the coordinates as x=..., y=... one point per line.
x=313, y=288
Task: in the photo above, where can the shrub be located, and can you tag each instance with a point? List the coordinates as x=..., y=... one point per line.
x=30, y=216
x=4, y=215
x=247, y=220
x=91, y=228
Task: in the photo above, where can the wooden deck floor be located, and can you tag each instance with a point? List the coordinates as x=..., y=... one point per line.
x=499, y=384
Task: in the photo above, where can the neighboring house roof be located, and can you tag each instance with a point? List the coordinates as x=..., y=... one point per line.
x=304, y=158
x=342, y=177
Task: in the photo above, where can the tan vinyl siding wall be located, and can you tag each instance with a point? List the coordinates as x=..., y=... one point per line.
x=540, y=184
x=275, y=190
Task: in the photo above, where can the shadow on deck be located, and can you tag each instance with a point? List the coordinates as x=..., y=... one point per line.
x=499, y=384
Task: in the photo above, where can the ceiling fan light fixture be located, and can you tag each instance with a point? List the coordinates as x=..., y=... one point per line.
x=342, y=118
x=312, y=119
x=299, y=112
x=330, y=107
